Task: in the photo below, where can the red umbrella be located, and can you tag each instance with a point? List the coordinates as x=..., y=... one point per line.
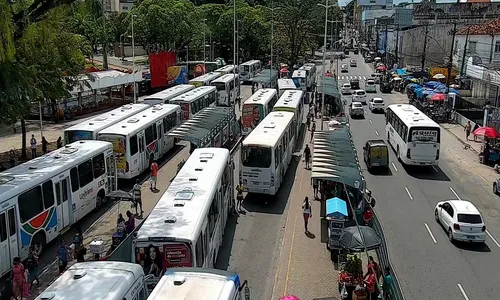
x=489, y=132
x=437, y=97
x=382, y=68
x=284, y=70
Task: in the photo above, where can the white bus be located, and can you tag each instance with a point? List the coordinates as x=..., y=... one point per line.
x=285, y=84
x=266, y=153
x=198, y=283
x=205, y=79
x=299, y=77
x=292, y=101
x=142, y=138
x=310, y=69
x=413, y=135
x=98, y=280
x=228, y=87
x=196, y=100
x=89, y=129
x=227, y=69
x=165, y=96
x=256, y=108
x=249, y=69
x=186, y=226
x=42, y=197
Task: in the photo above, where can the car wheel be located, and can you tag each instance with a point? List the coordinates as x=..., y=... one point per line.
x=495, y=190
x=436, y=215
x=450, y=235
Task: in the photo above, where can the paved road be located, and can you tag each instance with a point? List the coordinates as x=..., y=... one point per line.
x=428, y=265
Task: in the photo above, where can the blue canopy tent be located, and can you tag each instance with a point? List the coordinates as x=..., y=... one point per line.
x=413, y=86
x=443, y=90
x=336, y=208
x=423, y=92
x=433, y=84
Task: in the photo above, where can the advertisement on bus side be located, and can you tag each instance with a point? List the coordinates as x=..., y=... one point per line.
x=120, y=149
x=252, y=115
x=185, y=111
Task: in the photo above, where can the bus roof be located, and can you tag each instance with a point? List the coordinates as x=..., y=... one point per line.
x=226, y=78
x=286, y=83
x=187, y=199
x=307, y=68
x=135, y=123
x=226, y=68
x=250, y=62
x=206, y=77
x=269, y=130
x=99, y=280
x=289, y=99
x=195, y=94
x=109, y=118
x=311, y=65
x=262, y=96
x=22, y=177
x=170, y=92
x=412, y=116
x=196, y=283
x=299, y=73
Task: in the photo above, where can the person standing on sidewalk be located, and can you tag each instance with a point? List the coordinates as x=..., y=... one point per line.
x=239, y=196
x=372, y=264
x=386, y=284
x=33, y=146
x=62, y=256
x=137, y=198
x=307, y=213
x=467, y=130
x=313, y=129
x=371, y=285
x=307, y=156
x=32, y=266
x=154, y=175
x=59, y=143
x=44, y=145
x=308, y=122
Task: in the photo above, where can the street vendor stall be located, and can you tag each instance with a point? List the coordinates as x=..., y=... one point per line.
x=336, y=216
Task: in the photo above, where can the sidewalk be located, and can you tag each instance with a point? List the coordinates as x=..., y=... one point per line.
x=105, y=226
x=458, y=131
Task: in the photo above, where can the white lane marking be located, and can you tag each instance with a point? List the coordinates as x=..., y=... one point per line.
x=436, y=170
x=483, y=178
x=455, y=193
x=371, y=122
x=376, y=132
x=462, y=291
x=430, y=233
x=364, y=77
x=394, y=166
x=408, y=192
x=365, y=111
x=492, y=238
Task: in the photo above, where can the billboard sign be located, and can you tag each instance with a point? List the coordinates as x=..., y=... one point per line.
x=374, y=2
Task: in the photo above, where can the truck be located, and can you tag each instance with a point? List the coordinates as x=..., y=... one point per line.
x=386, y=84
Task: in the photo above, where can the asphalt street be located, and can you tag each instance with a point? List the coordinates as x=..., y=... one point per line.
x=427, y=264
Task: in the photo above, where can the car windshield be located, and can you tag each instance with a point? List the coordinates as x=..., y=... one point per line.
x=470, y=219
x=357, y=105
x=344, y=66
x=360, y=93
x=370, y=82
x=378, y=101
x=256, y=157
x=347, y=85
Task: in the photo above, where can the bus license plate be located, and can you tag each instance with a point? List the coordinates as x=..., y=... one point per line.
x=255, y=182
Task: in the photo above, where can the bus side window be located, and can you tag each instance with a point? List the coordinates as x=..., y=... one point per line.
x=133, y=145
x=30, y=203
x=75, y=185
x=199, y=251
x=85, y=173
x=276, y=157
x=99, y=167
x=48, y=194
x=142, y=294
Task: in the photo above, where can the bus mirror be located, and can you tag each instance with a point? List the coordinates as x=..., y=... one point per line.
x=247, y=289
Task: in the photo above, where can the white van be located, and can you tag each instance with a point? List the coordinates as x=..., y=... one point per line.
x=370, y=86
x=359, y=96
x=99, y=280
x=346, y=89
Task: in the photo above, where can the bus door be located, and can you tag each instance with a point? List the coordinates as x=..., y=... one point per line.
x=111, y=173
x=64, y=206
x=143, y=154
x=8, y=238
x=160, y=138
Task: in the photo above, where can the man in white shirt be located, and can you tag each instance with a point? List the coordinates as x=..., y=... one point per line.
x=33, y=146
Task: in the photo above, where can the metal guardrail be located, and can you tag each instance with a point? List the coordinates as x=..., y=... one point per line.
x=395, y=292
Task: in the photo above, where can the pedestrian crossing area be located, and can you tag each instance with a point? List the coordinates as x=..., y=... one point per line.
x=349, y=77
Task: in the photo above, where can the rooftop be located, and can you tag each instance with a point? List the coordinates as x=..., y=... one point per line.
x=488, y=28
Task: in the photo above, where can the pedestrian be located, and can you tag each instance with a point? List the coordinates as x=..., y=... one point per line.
x=7, y=293
x=12, y=159
x=467, y=129
x=386, y=284
x=59, y=143
x=306, y=212
x=315, y=188
x=311, y=111
x=130, y=223
x=239, y=196
x=17, y=277
x=32, y=266
x=26, y=286
x=313, y=129
x=33, y=146
x=307, y=156
x=371, y=285
x=154, y=175
x=44, y=145
x=368, y=215
x=308, y=122
x=77, y=241
x=373, y=265
x=80, y=253
x=63, y=256
x=137, y=198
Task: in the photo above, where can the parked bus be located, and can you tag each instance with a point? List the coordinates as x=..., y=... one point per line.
x=196, y=100
x=249, y=69
x=195, y=68
x=413, y=135
x=266, y=153
x=165, y=96
x=88, y=130
x=98, y=280
x=142, y=138
x=186, y=226
x=198, y=283
x=46, y=195
x=227, y=69
x=256, y=108
x=228, y=87
x=299, y=77
x=285, y=84
x=310, y=69
x=205, y=79
x=292, y=101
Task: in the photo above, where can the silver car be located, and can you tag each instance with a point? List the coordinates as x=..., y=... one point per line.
x=356, y=110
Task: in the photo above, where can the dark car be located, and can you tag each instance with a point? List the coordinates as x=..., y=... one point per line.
x=375, y=154
x=354, y=84
x=356, y=51
x=346, y=51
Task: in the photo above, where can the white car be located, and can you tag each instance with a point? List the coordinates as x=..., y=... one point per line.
x=346, y=89
x=376, y=104
x=359, y=96
x=344, y=68
x=356, y=110
x=370, y=86
x=461, y=220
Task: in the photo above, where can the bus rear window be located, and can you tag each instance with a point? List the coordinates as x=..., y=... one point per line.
x=71, y=136
x=424, y=134
x=256, y=157
x=221, y=86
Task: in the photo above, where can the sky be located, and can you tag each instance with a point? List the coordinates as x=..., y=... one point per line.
x=344, y=2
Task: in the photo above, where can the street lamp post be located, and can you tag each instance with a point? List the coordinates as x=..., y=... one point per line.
x=133, y=59
x=272, y=38
x=234, y=45
x=204, y=42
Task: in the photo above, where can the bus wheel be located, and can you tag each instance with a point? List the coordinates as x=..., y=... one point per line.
x=38, y=242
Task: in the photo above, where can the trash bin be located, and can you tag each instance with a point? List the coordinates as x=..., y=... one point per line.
x=359, y=295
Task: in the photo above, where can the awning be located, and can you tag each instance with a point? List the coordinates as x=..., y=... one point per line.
x=206, y=126
x=331, y=86
x=104, y=79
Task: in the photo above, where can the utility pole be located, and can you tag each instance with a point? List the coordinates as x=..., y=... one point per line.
x=397, y=45
x=464, y=55
x=104, y=39
x=385, y=44
x=425, y=47
x=450, y=60
x=377, y=38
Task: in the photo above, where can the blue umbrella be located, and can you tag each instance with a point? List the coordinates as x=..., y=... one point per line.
x=452, y=90
x=414, y=86
x=433, y=84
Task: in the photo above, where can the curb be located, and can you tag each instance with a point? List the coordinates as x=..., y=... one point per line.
x=460, y=140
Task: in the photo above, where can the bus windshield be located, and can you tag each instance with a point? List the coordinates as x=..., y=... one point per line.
x=221, y=86
x=256, y=157
x=72, y=136
x=424, y=134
